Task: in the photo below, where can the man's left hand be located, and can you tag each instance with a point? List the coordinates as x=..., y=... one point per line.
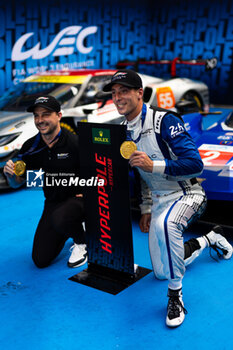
x=141, y=160
x=144, y=222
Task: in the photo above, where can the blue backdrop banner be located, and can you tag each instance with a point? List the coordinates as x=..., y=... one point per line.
x=42, y=35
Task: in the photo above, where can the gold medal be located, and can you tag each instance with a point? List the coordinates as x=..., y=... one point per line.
x=20, y=167
x=127, y=148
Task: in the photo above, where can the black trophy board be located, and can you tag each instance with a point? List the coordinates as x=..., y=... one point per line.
x=107, y=205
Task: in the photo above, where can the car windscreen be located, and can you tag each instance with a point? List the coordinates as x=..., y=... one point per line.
x=229, y=120
x=22, y=95
x=95, y=85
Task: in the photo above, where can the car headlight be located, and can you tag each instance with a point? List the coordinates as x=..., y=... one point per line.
x=5, y=139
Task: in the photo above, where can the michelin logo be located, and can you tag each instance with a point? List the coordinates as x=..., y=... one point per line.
x=64, y=43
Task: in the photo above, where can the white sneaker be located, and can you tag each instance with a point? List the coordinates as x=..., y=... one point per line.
x=78, y=256
x=216, y=240
x=175, y=308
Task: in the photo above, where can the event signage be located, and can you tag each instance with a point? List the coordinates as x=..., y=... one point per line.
x=64, y=43
x=107, y=210
x=108, y=217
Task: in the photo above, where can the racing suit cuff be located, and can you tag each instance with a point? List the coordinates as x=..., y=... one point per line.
x=145, y=208
x=159, y=166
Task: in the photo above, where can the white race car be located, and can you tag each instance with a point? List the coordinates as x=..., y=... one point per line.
x=80, y=94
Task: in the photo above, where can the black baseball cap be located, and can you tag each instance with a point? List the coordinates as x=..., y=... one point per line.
x=126, y=77
x=46, y=101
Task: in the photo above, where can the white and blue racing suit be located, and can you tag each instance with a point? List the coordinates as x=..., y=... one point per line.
x=177, y=197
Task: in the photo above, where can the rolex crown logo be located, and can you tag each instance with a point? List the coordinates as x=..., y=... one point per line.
x=101, y=136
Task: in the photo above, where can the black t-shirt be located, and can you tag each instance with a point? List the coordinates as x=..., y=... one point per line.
x=58, y=162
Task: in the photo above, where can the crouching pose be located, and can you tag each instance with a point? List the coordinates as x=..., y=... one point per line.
x=53, y=150
x=168, y=162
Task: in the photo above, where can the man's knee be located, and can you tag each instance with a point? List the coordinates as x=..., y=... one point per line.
x=159, y=275
x=40, y=261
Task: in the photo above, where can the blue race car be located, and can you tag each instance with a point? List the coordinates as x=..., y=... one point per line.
x=213, y=134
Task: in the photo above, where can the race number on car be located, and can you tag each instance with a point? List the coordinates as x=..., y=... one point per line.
x=165, y=97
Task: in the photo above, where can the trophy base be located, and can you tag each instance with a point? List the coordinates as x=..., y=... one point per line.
x=108, y=280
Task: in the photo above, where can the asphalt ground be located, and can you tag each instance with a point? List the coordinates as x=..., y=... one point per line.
x=41, y=309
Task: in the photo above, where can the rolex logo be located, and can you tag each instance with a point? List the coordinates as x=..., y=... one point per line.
x=101, y=136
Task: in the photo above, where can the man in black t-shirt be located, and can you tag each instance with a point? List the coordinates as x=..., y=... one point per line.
x=54, y=151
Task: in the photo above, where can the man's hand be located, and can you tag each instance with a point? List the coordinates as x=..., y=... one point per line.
x=9, y=169
x=142, y=161
x=144, y=223
x=13, y=180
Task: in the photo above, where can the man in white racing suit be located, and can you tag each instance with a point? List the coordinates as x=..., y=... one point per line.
x=168, y=162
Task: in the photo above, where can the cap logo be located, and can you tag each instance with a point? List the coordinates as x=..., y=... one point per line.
x=41, y=100
x=119, y=75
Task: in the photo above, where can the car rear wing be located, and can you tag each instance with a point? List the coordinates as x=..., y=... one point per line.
x=209, y=64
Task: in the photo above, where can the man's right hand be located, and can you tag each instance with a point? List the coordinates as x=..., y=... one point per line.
x=13, y=180
x=9, y=169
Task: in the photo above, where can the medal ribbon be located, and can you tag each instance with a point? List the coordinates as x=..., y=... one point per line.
x=143, y=117
x=35, y=144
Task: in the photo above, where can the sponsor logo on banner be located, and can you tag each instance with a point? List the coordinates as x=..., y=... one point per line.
x=104, y=172
x=101, y=136
x=65, y=43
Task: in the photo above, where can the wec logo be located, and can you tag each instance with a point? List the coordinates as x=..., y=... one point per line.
x=64, y=43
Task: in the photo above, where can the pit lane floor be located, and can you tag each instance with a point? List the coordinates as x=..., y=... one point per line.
x=42, y=310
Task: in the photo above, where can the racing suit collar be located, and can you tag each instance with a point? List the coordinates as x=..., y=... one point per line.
x=132, y=123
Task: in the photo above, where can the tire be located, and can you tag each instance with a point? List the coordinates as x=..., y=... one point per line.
x=195, y=98
x=68, y=127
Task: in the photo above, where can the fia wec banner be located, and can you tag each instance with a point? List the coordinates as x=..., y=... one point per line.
x=37, y=36
x=108, y=217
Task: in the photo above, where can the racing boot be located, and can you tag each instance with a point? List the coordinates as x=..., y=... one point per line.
x=78, y=256
x=216, y=241
x=175, y=308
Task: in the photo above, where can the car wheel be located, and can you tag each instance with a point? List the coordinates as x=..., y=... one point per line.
x=193, y=97
x=68, y=127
